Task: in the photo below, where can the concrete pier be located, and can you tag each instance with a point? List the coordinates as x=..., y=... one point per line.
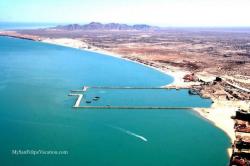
x=78, y=101
x=85, y=88
x=127, y=87
x=134, y=107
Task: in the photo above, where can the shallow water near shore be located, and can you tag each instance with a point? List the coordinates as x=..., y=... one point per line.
x=36, y=113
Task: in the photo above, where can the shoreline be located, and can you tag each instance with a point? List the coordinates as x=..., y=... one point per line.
x=217, y=114
x=176, y=75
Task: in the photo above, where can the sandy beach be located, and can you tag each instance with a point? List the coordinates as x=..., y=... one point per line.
x=85, y=69
x=220, y=112
x=177, y=75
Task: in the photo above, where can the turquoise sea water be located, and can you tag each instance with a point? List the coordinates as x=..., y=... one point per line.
x=36, y=113
x=142, y=98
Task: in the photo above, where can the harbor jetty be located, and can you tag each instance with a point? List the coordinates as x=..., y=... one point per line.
x=133, y=107
x=79, y=95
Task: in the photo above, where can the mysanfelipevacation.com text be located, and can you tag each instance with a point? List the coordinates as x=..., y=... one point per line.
x=38, y=152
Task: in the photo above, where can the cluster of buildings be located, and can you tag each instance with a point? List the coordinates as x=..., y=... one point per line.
x=241, y=145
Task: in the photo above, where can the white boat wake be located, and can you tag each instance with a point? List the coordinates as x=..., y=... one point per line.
x=136, y=135
x=130, y=133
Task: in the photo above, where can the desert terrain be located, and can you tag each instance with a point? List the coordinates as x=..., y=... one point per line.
x=212, y=62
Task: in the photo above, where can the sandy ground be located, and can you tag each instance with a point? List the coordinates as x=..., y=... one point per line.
x=176, y=73
x=220, y=115
x=77, y=43
x=220, y=112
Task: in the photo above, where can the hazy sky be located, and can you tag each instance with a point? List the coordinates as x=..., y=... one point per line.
x=154, y=12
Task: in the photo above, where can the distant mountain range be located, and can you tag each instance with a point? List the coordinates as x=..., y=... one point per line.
x=109, y=26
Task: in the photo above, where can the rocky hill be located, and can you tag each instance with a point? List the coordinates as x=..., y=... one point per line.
x=109, y=26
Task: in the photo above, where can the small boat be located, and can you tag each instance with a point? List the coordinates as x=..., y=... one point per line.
x=96, y=98
x=88, y=102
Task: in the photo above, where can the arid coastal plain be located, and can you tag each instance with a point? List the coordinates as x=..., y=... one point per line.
x=212, y=62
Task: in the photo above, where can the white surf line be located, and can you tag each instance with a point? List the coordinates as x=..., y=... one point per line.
x=78, y=101
x=130, y=133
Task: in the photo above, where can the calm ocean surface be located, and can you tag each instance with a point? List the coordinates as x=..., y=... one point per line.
x=36, y=112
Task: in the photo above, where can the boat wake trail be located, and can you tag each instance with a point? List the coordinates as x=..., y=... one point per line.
x=136, y=135
x=130, y=133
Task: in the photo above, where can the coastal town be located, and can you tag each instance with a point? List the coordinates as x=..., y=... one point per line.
x=214, y=65
x=125, y=83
